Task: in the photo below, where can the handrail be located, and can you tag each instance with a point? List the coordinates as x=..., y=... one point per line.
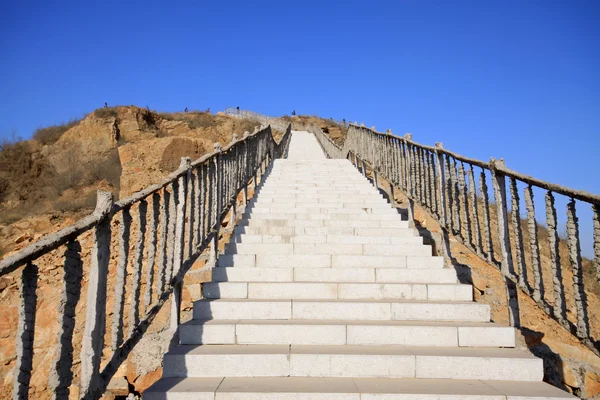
x=175, y=221
x=444, y=183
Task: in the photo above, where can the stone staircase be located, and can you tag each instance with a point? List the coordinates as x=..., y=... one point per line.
x=326, y=293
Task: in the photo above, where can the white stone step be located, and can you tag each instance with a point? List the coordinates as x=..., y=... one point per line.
x=329, y=248
x=332, y=290
x=331, y=239
x=341, y=231
x=373, y=310
x=323, y=208
x=303, y=388
x=342, y=215
x=371, y=221
x=352, y=361
x=320, y=198
x=328, y=260
x=340, y=275
x=310, y=192
x=279, y=184
x=341, y=332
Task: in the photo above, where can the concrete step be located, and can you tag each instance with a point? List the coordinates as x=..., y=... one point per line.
x=340, y=275
x=327, y=260
x=373, y=310
x=339, y=215
x=340, y=230
x=323, y=208
x=329, y=249
x=304, y=388
x=312, y=203
x=320, y=198
x=332, y=290
x=341, y=332
x=327, y=223
x=330, y=239
x=352, y=361
x=310, y=192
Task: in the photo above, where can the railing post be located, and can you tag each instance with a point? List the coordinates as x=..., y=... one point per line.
x=583, y=328
x=95, y=318
x=499, y=183
x=559, y=307
x=247, y=168
x=180, y=201
x=596, y=211
x=441, y=182
x=233, y=217
x=538, y=284
x=214, y=250
x=61, y=375
x=25, y=331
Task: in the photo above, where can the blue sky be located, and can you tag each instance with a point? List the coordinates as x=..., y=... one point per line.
x=512, y=79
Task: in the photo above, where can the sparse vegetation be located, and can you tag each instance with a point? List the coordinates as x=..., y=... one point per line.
x=51, y=134
x=106, y=112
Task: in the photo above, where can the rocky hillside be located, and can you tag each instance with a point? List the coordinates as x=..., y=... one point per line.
x=55, y=175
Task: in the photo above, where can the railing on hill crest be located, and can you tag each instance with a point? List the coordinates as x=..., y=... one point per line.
x=444, y=183
x=185, y=214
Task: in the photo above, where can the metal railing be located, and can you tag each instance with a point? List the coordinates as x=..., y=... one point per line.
x=454, y=189
x=171, y=223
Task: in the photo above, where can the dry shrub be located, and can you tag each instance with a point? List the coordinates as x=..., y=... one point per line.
x=106, y=112
x=244, y=125
x=51, y=134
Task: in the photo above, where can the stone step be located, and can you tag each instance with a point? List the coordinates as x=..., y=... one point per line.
x=334, y=222
x=323, y=208
x=341, y=332
x=320, y=198
x=340, y=275
x=303, y=388
x=283, y=183
x=332, y=290
x=328, y=249
x=328, y=260
x=352, y=361
x=332, y=239
x=373, y=310
x=323, y=213
x=312, y=203
x=310, y=192
x=340, y=230
x=340, y=215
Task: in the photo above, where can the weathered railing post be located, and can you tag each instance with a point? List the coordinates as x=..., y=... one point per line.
x=246, y=168
x=214, y=250
x=441, y=184
x=499, y=183
x=596, y=211
x=136, y=278
x=475, y=212
x=61, y=375
x=121, y=279
x=559, y=308
x=25, y=331
x=518, y=236
x=538, y=284
x=151, y=251
x=583, y=328
x=233, y=216
x=486, y=217
x=180, y=201
x=95, y=318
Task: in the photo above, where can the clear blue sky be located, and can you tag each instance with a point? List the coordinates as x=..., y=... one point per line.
x=513, y=79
